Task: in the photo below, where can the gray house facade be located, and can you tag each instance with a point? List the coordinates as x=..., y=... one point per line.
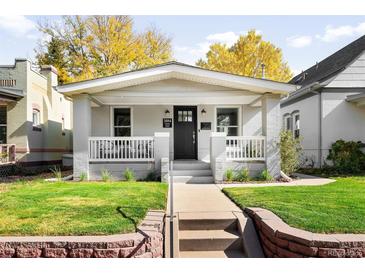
x=330, y=103
x=174, y=116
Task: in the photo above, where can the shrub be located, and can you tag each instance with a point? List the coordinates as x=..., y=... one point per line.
x=266, y=176
x=57, y=173
x=290, y=151
x=82, y=176
x=243, y=175
x=347, y=156
x=129, y=175
x=229, y=175
x=151, y=177
x=106, y=176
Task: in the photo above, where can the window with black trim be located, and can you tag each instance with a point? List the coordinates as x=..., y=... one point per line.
x=287, y=121
x=3, y=124
x=227, y=121
x=122, y=122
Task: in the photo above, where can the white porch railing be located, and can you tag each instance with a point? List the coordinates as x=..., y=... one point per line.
x=7, y=153
x=109, y=149
x=245, y=148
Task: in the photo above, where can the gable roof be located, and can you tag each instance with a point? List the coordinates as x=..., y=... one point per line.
x=331, y=65
x=178, y=71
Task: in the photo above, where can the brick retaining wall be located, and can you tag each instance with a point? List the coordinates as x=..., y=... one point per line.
x=280, y=240
x=147, y=242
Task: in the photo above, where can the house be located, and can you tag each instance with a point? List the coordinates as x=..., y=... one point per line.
x=202, y=120
x=35, y=120
x=329, y=105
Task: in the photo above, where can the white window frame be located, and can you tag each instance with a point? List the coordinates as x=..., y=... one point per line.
x=36, y=123
x=295, y=114
x=287, y=117
x=239, y=120
x=112, y=118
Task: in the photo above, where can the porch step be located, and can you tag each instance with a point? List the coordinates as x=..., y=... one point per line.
x=192, y=172
x=209, y=240
x=193, y=179
x=190, y=165
x=213, y=254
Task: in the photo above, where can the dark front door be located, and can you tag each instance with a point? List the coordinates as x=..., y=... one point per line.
x=185, y=135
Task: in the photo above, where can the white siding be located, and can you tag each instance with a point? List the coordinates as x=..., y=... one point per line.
x=352, y=76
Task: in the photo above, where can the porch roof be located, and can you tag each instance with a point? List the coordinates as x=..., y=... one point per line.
x=176, y=70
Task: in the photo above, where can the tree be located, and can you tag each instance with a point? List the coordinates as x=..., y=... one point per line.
x=96, y=46
x=245, y=58
x=290, y=152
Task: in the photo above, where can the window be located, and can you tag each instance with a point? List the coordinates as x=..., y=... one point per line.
x=227, y=121
x=122, y=122
x=296, y=125
x=185, y=116
x=36, y=118
x=288, y=122
x=3, y=125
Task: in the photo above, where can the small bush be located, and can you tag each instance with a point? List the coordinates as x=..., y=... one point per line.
x=290, y=151
x=82, y=176
x=229, y=175
x=243, y=175
x=57, y=173
x=347, y=156
x=106, y=176
x=266, y=176
x=129, y=175
x=151, y=177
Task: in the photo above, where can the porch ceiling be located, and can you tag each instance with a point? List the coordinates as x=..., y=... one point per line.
x=179, y=71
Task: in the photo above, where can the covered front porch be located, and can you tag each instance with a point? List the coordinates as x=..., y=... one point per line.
x=143, y=120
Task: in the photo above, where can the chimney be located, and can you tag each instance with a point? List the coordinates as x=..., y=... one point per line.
x=262, y=70
x=51, y=73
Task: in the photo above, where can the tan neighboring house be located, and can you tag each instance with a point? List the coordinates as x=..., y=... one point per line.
x=35, y=120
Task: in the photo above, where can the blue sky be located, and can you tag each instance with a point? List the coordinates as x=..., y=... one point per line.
x=303, y=39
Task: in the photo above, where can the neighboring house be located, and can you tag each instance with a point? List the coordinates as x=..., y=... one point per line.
x=146, y=118
x=330, y=103
x=35, y=120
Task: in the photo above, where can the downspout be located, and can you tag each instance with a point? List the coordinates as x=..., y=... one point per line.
x=320, y=128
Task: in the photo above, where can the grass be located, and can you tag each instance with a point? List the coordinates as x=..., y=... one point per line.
x=74, y=208
x=338, y=207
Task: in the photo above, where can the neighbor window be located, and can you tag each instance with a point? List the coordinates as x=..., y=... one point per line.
x=296, y=125
x=36, y=118
x=3, y=126
x=227, y=121
x=122, y=122
x=287, y=122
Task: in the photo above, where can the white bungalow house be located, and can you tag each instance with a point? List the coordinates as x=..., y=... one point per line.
x=329, y=105
x=202, y=120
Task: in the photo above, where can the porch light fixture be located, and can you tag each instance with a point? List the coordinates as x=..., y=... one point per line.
x=203, y=112
x=167, y=112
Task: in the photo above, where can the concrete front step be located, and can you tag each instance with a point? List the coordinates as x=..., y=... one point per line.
x=229, y=224
x=193, y=179
x=209, y=240
x=188, y=165
x=213, y=254
x=192, y=172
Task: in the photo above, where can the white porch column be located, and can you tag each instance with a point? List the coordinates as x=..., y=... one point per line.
x=162, y=154
x=81, y=133
x=271, y=125
x=218, y=155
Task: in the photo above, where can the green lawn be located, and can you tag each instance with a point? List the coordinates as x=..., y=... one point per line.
x=74, y=208
x=338, y=207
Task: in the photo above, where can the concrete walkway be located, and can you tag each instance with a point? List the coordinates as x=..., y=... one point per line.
x=303, y=180
x=201, y=198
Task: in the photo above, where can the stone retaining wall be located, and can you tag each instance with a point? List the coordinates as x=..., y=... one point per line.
x=280, y=240
x=147, y=242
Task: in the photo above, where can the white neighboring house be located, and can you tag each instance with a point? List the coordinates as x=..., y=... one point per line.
x=35, y=120
x=146, y=118
x=330, y=104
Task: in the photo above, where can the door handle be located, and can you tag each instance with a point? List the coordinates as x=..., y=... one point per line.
x=194, y=137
